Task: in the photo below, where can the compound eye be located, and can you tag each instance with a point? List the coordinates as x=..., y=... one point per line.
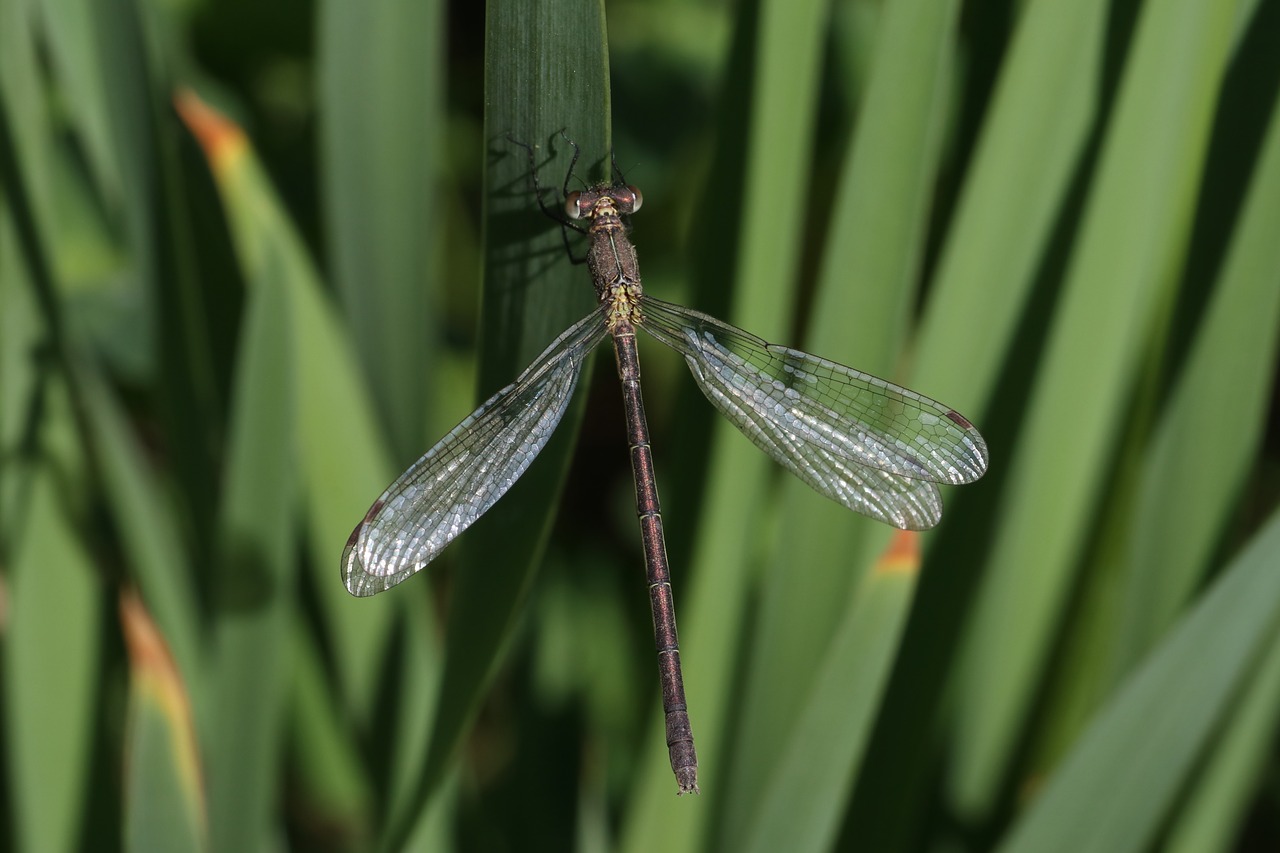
x=572, y=206
x=637, y=199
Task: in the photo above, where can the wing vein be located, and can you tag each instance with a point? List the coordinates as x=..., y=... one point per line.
x=467, y=471
x=870, y=445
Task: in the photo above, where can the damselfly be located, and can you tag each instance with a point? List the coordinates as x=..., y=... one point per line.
x=872, y=446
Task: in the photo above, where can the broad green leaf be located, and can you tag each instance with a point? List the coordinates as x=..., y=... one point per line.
x=342, y=460
x=381, y=91
x=256, y=575
x=1044, y=106
x=1120, y=781
x=164, y=799
x=1208, y=435
x=1132, y=236
x=546, y=65
x=781, y=101
x=332, y=778
x=148, y=528
x=51, y=648
x=800, y=809
x=870, y=273
x=1033, y=134
x=1218, y=804
x=98, y=57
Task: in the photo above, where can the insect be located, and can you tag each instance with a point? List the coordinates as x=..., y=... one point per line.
x=872, y=446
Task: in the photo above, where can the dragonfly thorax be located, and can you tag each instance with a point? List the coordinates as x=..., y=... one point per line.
x=610, y=255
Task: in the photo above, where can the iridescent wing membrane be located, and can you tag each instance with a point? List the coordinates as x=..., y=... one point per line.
x=872, y=446
x=466, y=472
x=867, y=444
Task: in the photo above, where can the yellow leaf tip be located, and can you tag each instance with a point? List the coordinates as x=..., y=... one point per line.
x=219, y=136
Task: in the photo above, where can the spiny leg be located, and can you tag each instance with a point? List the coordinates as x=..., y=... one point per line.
x=538, y=190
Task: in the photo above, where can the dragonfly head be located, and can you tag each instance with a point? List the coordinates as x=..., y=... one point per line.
x=622, y=201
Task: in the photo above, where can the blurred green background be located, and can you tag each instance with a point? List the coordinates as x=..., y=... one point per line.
x=256, y=258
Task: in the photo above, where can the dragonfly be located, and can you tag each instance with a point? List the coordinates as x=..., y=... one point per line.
x=872, y=446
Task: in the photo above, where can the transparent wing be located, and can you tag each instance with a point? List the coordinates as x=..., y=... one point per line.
x=868, y=444
x=460, y=478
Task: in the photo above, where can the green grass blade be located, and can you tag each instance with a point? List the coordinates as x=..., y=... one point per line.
x=417, y=681
x=51, y=644
x=148, y=527
x=83, y=44
x=870, y=273
x=341, y=454
x=712, y=606
x=27, y=114
x=26, y=313
x=801, y=807
x=381, y=93
x=1209, y=433
x=98, y=56
x=1187, y=459
x=1033, y=135
x=51, y=619
x=1041, y=113
x=546, y=69
x=1211, y=817
x=165, y=806
x=1123, y=776
x=343, y=465
x=1133, y=234
x=256, y=579
x=332, y=779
